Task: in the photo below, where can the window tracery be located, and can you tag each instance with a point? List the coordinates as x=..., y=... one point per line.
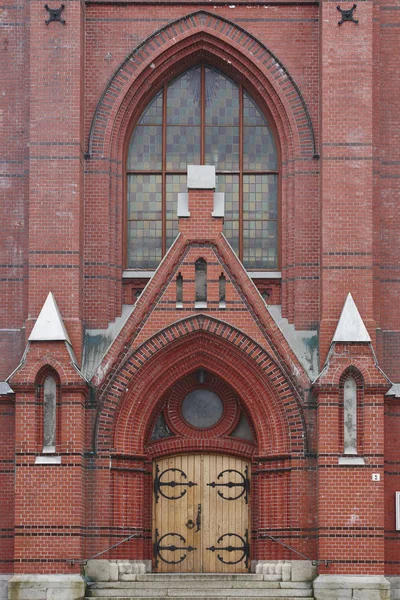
x=202, y=117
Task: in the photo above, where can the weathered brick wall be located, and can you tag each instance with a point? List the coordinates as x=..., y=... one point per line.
x=7, y=484
x=63, y=150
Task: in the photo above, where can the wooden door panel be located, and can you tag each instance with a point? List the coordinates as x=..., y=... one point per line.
x=215, y=542
x=227, y=515
x=173, y=507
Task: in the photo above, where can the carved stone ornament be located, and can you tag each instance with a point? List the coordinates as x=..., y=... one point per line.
x=55, y=14
x=347, y=15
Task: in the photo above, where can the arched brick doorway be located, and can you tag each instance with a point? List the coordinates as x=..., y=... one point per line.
x=153, y=380
x=201, y=500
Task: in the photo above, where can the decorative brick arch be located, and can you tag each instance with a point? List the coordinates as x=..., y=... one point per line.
x=134, y=390
x=365, y=372
x=177, y=46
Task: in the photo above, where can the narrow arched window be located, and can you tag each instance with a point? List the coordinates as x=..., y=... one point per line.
x=49, y=414
x=179, y=291
x=202, y=117
x=350, y=415
x=201, y=283
x=222, y=291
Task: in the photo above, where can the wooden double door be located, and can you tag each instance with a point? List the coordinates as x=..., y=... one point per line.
x=201, y=514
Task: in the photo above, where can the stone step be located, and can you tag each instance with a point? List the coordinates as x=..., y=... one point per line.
x=282, y=594
x=200, y=576
x=203, y=597
x=193, y=583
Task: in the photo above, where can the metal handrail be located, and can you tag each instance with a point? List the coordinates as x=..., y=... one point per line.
x=78, y=561
x=313, y=562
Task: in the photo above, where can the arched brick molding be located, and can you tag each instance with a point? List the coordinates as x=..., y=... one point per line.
x=132, y=393
x=365, y=372
x=178, y=45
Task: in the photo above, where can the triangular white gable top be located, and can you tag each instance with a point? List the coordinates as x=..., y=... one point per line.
x=49, y=325
x=351, y=327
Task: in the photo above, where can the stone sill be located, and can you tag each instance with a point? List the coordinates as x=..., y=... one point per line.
x=351, y=461
x=133, y=274
x=200, y=304
x=48, y=460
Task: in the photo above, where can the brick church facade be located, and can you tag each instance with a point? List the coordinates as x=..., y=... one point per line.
x=200, y=325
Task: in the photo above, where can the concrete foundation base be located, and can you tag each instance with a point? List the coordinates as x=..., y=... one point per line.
x=351, y=587
x=394, y=587
x=46, y=587
x=4, y=579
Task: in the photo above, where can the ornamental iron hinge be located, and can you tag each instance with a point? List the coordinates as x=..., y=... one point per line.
x=244, y=484
x=158, y=548
x=159, y=484
x=244, y=549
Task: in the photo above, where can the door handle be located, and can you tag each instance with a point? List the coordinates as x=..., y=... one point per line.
x=198, y=518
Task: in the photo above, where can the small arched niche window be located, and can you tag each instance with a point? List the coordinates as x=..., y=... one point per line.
x=201, y=283
x=350, y=415
x=49, y=413
x=202, y=117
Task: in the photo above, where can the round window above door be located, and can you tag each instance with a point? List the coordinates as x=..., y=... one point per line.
x=202, y=408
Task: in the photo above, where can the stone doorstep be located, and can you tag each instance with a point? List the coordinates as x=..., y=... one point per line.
x=335, y=582
x=193, y=583
x=203, y=598
x=201, y=593
x=200, y=577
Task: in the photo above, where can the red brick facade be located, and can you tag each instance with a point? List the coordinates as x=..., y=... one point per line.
x=72, y=94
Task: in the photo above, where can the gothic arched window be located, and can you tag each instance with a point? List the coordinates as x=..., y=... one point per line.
x=202, y=117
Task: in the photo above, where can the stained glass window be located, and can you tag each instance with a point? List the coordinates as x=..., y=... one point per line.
x=203, y=117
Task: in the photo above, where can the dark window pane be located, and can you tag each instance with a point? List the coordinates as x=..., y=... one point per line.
x=174, y=185
x=49, y=412
x=144, y=197
x=222, y=148
x=243, y=430
x=260, y=235
x=251, y=113
x=154, y=112
x=145, y=150
x=260, y=197
x=145, y=224
x=202, y=408
x=222, y=99
x=222, y=288
x=229, y=184
x=183, y=147
x=161, y=430
x=144, y=244
x=179, y=288
x=183, y=99
x=201, y=280
x=259, y=153
x=260, y=244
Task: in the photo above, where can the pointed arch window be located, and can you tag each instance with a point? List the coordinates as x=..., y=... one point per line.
x=202, y=117
x=49, y=414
